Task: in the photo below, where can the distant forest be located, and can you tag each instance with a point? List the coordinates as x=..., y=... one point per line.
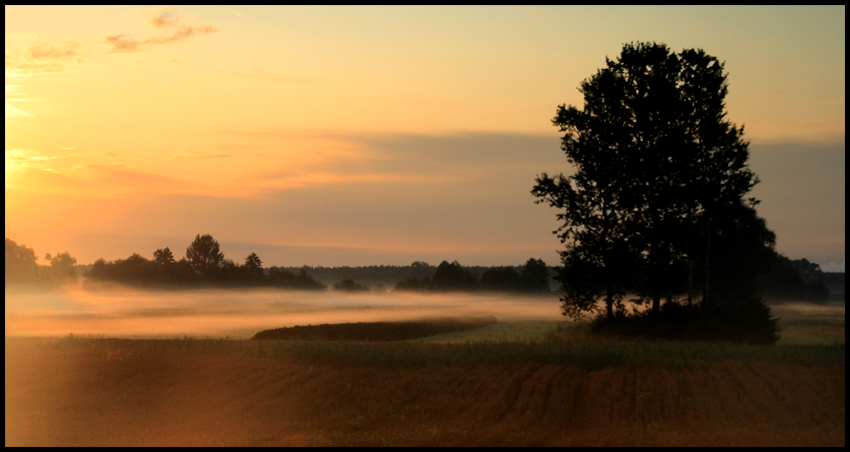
x=205, y=266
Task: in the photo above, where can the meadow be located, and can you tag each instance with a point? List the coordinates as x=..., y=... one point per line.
x=521, y=381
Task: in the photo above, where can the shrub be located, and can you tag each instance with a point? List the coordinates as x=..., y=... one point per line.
x=748, y=320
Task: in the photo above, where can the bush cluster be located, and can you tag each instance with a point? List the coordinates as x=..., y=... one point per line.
x=748, y=320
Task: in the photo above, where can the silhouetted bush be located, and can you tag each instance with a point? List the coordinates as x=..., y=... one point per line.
x=414, y=284
x=348, y=285
x=280, y=277
x=748, y=320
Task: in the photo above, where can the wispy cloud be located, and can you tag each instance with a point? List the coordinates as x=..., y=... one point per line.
x=122, y=43
x=41, y=57
x=167, y=20
x=15, y=101
x=26, y=157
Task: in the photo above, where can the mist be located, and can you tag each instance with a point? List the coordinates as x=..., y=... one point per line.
x=239, y=314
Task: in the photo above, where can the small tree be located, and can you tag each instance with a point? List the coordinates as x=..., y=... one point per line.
x=254, y=266
x=62, y=265
x=204, y=255
x=163, y=256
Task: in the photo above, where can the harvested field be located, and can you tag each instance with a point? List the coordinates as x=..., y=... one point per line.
x=105, y=392
x=377, y=331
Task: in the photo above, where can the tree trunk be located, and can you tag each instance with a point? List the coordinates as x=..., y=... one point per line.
x=609, y=303
x=654, y=283
x=707, y=253
x=690, y=281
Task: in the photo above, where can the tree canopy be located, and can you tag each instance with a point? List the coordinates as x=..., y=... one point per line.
x=658, y=171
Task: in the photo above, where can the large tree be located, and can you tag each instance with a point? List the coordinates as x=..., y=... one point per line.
x=656, y=160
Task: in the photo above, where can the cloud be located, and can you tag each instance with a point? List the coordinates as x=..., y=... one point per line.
x=121, y=43
x=14, y=98
x=183, y=33
x=26, y=158
x=47, y=175
x=167, y=19
x=42, y=57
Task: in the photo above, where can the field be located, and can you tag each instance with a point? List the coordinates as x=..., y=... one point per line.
x=510, y=383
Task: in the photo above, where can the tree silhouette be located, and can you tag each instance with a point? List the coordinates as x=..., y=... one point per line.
x=163, y=256
x=204, y=255
x=348, y=285
x=62, y=265
x=21, y=262
x=453, y=276
x=656, y=162
x=500, y=279
x=534, y=276
x=254, y=266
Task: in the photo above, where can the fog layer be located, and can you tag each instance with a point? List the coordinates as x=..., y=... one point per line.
x=239, y=314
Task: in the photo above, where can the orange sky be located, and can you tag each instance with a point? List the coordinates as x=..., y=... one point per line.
x=357, y=136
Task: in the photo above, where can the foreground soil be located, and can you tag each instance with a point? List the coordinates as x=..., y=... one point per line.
x=105, y=392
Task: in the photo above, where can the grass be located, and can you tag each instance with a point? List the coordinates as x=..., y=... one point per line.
x=812, y=331
x=541, y=342
x=504, y=331
x=548, y=342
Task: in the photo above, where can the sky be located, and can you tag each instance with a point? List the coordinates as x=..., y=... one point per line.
x=376, y=135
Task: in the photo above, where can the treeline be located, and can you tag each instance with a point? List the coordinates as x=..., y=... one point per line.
x=204, y=264
x=533, y=277
x=420, y=276
x=799, y=280
x=22, y=266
